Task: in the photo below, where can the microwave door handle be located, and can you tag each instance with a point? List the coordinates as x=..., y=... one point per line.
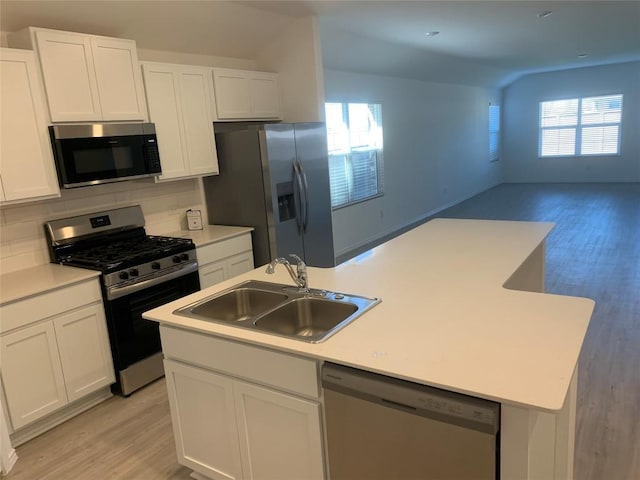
x=305, y=190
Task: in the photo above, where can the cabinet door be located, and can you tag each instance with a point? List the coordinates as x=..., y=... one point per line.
x=281, y=435
x=265, y=101
x=27, y=167
x=197, y=114
x=204, y=421
x=69, y=76
x=118, y=79
x=165, y=110
x=232, y=93
x=84, y=349
x=212, y=273
x=238, y=264
x=31, y=373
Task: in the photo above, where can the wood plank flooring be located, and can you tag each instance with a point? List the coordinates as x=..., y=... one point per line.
x=594, y=251
x=122, y=438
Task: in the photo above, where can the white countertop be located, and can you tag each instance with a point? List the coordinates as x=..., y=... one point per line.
x=445, y=318
x=211, y=234
x=25, y=283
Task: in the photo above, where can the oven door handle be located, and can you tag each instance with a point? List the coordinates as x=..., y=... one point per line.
x=117, y=292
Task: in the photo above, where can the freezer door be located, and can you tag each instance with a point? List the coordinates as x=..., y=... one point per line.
x=317, y=229
x=278, y=155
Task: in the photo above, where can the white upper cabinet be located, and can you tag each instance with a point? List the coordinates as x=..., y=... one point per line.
x=27, y=170
x=246, y=95
x=118, y=79
x=86, y=77
x=180, y=102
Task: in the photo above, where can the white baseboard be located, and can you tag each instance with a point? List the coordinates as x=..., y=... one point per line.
x=9, y=462
x=198, y=476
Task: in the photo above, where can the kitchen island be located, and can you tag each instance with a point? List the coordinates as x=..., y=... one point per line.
x=462, y=309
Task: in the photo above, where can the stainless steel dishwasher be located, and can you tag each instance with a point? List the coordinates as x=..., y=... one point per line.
x=383, y=428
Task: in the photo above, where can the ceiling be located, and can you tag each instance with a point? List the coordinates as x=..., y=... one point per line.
x=486, y=43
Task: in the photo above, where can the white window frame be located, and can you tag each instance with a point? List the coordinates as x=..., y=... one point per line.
x=575, y=130
x=343, y=152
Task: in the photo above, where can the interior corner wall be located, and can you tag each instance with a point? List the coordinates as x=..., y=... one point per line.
x=297, y=58
x=520, y=125
x=436, y=149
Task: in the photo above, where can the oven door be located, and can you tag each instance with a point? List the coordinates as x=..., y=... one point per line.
x=133, y=338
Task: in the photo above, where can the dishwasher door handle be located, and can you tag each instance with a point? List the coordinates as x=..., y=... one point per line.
x=404, y=406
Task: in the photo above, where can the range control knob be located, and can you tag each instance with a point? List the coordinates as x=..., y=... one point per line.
x=184, y=257
x=134, y=272
x=123, y=275
x=176, y=259
x=155, y=266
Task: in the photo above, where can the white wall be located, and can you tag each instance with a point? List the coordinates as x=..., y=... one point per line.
x=145, y=54
x=22, y=239
x=436, y=146
x=297, y=58
x=520, y=125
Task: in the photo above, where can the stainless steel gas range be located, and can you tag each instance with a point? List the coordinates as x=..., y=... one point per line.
x=139, y=272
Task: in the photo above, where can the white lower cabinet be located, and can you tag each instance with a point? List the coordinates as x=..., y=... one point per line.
x=242, y=412
x=204, y=423
x=280, y=434
x=226, y=428
x=84, y=353
x=55, y=350
x=223, y=260
x=32, y=374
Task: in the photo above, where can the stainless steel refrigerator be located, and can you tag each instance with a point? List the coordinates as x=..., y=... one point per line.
x=275, y=178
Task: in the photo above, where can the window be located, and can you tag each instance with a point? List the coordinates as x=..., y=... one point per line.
x=354, y=140
x=494, y=133
x=590, y=126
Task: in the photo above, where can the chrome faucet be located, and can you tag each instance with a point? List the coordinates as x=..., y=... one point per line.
x=299, y=276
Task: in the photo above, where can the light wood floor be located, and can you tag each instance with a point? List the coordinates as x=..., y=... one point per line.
x=594, y=251
x=120, y=439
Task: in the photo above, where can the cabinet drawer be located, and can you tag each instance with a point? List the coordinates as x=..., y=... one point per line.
x=217, y=251
x=30, y=310
x=280, y=370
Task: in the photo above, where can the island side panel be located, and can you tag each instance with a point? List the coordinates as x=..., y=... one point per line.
x=530, y=275
x=536, y=444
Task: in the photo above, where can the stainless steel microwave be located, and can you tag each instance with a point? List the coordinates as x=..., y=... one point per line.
x=90, y=154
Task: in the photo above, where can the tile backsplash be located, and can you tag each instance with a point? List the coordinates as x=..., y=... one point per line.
x=22, y=240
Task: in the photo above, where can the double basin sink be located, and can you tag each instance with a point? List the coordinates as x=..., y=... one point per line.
x=284, y=310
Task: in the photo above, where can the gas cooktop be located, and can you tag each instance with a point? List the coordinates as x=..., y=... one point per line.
x=109, y=255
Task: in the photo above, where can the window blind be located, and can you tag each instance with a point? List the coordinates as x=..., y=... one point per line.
x=354, y=141
x=494, y=132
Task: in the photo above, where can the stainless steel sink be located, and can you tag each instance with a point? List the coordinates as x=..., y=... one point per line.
x=307, y=317
x=283, y=310
x=239, y=304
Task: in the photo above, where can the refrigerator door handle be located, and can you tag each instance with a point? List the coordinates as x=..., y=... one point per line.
x=305, y=191
x=298, y=196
